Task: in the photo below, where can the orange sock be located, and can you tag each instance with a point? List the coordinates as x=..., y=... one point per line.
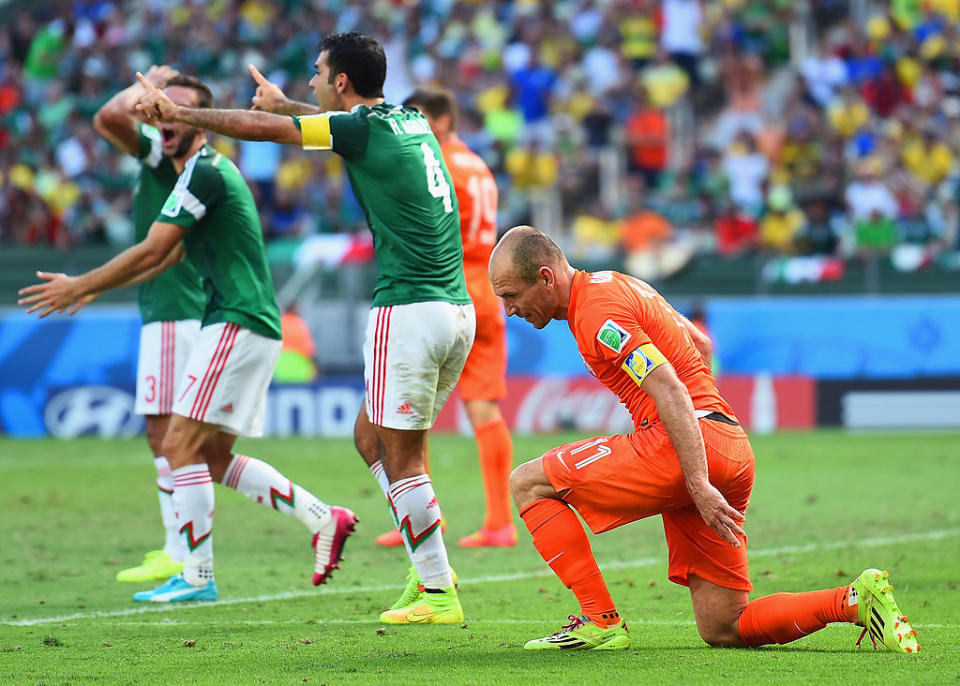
x=495, y=450
x=784, y=617
x=561, y=541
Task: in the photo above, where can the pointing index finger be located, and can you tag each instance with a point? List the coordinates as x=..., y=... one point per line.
x=257, y=76
x=145, y=82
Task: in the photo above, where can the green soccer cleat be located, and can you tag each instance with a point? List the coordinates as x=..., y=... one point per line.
x=156, y=564
x=441, y=607
x=413, y=589
x=878, y=613
x=582, y=634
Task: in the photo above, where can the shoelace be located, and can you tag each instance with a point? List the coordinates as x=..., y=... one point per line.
x=575, y=621
x=872, y=639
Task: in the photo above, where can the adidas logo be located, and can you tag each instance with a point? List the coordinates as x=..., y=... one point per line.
x=405, y=409
x=227, y=408
x=432, y=503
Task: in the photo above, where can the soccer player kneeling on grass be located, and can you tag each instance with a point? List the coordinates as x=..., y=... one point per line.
x=687, y=460
x=211, y=215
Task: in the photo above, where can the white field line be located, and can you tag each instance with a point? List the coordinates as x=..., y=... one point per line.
x=616, y=564
x=375, y=622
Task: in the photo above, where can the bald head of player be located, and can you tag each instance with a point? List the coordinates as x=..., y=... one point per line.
x=530, y=274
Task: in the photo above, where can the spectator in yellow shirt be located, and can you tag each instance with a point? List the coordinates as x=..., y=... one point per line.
x=665, y=82
x=928, y=158
x=848, y=112
x=782, y=222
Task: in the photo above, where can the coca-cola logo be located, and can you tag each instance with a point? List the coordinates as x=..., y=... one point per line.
x=101, y=411
x=580, y=403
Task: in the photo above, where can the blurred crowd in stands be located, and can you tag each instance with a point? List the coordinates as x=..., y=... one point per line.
x=646, y=131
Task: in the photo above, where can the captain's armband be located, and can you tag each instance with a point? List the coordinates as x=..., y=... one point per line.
x=642, y=361
x=315, y=130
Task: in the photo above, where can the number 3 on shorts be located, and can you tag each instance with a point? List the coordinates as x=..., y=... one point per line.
x=436, y=181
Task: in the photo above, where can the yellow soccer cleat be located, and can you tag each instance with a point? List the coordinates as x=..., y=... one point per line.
x=582, y=634
x=879, y=614
x=156, y=564
x=414, y=589
x=430, y=607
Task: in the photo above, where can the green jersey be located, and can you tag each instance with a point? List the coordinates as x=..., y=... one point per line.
x=225, y=242
x=176, y=293
x=397, y=172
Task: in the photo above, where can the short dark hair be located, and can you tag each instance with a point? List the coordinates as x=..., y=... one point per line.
x=434, y=102
x=204, y=96
x=361, y=58
x=532, y=250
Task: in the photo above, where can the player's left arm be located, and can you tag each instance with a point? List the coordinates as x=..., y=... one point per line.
x=680, y=421
x=57, y=292
x=249, y=125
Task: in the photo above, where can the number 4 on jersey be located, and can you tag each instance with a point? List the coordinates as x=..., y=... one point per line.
x=436, y=181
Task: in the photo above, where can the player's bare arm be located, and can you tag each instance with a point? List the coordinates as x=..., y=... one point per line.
x=677, y=414
x=117, y=120
x=270, y=98
x=60, y=291
x=174, y=258
x=243, y=124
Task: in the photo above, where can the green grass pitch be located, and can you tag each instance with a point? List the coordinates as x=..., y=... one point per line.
x=825, y=506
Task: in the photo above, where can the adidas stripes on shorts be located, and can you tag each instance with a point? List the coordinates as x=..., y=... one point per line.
x=226, y=379
x=164, y=350
x=412, y=358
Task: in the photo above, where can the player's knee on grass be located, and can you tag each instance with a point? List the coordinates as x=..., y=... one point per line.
x=717, y=611
x=720, y=635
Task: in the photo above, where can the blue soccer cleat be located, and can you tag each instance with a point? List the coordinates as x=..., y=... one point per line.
x=177, y=590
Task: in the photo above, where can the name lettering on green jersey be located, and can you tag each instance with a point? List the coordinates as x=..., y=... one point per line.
x=412, y=126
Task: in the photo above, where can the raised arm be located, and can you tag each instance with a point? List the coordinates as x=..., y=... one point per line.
x=244, y=124
x=270, y=98
x=116, y=121
x=677, y=414
x=59, y=291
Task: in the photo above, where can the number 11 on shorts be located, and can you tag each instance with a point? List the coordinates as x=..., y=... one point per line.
x=602, y=450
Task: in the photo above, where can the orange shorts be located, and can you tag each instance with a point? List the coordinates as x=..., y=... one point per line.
x=613, y=480
x=484, y=374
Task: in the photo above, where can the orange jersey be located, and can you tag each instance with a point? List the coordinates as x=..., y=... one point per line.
x=483, y=374
x=477, y=196
x=624, y=329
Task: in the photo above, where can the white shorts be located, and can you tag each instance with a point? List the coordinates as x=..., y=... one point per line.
x=412, y=357
x=164, y=350
x=226, y=379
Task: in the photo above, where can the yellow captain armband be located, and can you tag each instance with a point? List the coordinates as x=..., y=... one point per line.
x=642, y=361
x=315, y=130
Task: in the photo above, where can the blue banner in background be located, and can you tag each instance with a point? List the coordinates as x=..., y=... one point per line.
x=67, y=376
x=43, y=359
x=831, y=338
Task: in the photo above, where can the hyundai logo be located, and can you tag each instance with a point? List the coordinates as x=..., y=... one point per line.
x=102, y=411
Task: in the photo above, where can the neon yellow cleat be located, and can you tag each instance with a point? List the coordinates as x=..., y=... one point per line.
x=879, y=614
x=413, y=589
x=156, y=564
x=582, y=634
x=441, y=607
